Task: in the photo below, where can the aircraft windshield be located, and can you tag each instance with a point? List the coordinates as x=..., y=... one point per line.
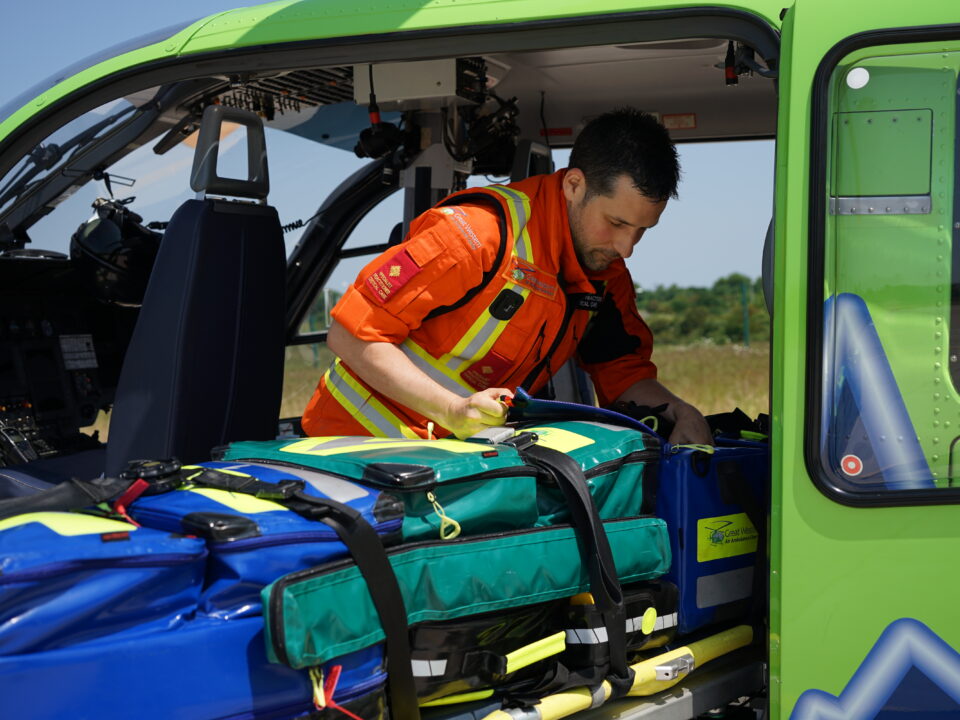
x=8, y=108
x=57, y=150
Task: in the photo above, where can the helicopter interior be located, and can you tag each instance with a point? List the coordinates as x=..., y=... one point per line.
x=419, y=129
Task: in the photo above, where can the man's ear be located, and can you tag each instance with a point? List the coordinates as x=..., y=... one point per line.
x=574, y=185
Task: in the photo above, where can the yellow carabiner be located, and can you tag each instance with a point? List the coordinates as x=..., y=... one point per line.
x=449, y=528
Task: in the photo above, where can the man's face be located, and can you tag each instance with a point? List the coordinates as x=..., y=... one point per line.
x=606, y=227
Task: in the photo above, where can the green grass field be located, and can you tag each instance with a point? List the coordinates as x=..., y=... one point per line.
x=715, y=378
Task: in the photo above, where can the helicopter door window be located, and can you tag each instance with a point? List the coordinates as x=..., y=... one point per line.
x=890, y=420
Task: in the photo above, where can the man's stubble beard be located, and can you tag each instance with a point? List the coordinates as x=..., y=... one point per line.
x=590, y=260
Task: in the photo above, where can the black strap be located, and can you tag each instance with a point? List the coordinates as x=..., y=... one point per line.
x=73, y=494
x=368, y=553
x=498, y=261
x=596, y=554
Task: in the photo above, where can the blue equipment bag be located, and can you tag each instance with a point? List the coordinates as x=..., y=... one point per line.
x=206, y=668
x=711, y=503
x=69, y=578
x=252, y=541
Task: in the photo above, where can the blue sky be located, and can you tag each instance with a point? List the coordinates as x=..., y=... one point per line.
x=715, y=228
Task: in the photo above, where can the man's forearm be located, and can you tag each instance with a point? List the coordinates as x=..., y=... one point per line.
x=389, y=371
x=384, y=367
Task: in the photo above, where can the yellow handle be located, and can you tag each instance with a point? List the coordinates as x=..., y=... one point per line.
x=461, y=698
x=645, y=680
x=564, y=704
x=536, y=651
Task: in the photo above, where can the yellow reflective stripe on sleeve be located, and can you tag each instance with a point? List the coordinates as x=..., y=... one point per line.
x=68, y=524
x=364, y=407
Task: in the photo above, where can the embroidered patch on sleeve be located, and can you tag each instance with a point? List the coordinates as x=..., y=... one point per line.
x=391, y=276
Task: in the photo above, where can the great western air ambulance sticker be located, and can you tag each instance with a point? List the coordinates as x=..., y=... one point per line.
x=529, y=276
x=725, y=536
x=486, y=372
x=392, y=275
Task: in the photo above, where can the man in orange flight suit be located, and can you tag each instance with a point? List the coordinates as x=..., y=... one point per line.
x=497, y=287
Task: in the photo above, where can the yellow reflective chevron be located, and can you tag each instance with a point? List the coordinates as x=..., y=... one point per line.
x=368, y=410
x=318, y=446
x=68, y=524
x=559, y=439
x=239, y=502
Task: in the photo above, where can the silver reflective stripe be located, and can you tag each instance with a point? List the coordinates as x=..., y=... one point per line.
x=587, y=636
x=473, y=347
x=665, y=622
x=428, y=668
x=332, y=487
x=433, y=373
x=724, y=587
x=354, y=398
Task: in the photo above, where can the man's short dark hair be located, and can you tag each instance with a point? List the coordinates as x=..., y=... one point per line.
x=627, y=142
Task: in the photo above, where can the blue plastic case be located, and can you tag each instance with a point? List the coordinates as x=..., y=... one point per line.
x=713, y=542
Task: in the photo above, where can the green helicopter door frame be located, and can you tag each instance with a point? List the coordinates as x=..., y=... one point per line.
x=864, y=519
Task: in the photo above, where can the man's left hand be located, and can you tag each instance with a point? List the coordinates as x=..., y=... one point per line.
x=690, y=426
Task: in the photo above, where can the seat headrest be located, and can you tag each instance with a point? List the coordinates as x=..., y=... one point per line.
x=204, y=177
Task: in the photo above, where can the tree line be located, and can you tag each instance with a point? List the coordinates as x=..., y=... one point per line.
x=685, y=315
x=676, y=315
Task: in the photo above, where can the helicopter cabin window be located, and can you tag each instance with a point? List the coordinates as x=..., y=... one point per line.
x=890, y=412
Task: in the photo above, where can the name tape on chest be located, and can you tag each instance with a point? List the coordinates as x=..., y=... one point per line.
x=586, y=301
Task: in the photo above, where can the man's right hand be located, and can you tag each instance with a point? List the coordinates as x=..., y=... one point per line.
x=468, y=416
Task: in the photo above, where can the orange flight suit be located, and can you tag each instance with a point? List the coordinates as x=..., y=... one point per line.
x=516, y=321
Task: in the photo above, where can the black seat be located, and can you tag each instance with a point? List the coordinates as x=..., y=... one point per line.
x=205, y=364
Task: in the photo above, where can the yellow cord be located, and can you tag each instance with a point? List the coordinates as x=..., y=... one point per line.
x=316, y=680
x=708, y=449
x=449, y=528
